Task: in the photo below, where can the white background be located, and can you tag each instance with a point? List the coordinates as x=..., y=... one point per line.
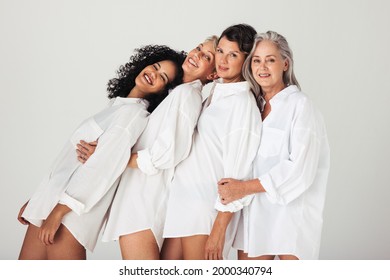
x=57, y=56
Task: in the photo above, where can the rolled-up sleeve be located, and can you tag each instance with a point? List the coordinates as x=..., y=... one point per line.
x=173, y=143
x=92, y=180
x=293, y=176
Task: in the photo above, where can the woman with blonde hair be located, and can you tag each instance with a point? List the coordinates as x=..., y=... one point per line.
x=137, y=214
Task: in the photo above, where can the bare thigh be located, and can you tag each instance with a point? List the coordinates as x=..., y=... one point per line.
x=194, y=247
x=140, y=245
x=65, y=247
x=171, y=249
x=32, y=248
x=244, y=256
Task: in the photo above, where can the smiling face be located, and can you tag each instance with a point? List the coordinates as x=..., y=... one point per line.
x=155, y=77
x=229, y=60
x=200, y=63
x=268, y=66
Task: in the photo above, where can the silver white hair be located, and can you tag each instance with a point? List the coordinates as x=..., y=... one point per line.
x=286, y=53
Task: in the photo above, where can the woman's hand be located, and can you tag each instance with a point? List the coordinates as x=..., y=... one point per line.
x=50, y=226
x=85, y=150
x=20, y=218
x=215, y=243
x=231, y=189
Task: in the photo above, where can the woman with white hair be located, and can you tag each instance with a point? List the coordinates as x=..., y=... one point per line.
x=284, y=218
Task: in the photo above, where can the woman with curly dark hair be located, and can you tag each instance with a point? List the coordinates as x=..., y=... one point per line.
x=67, y=212
x=145, y=56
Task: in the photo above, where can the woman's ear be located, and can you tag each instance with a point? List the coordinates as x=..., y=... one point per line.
x=212, y=76
x=286, y=64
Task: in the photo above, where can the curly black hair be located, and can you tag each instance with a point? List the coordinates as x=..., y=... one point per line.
x=145, y=56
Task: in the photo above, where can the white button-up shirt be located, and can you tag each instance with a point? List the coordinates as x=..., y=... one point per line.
x=225, y=144
x=292, y=164
x=140, y=202
x=88, y=188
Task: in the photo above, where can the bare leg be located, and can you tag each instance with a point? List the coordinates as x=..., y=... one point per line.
x=139, y=246
x=65, y=247
x=194, y=247
x=244, y=256
x=287, y=257
x=32, y=248
x=171, y=249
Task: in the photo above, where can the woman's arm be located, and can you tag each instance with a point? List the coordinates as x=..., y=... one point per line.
x=231, y=189
x=91, y=181
x=85, y=151
x=174, y=140
x=50, y=226
x=292, y=176
x=216, y=241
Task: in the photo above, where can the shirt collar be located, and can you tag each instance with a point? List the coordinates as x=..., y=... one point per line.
x=129, y=100
x=283, y=94
x=196, y=84
x=222, y=90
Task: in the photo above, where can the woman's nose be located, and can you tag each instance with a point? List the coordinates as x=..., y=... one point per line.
x=223, y=59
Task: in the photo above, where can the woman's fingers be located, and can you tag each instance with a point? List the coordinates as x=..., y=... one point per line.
x=85, y=150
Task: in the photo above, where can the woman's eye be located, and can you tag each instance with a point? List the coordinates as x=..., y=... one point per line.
x=256, y=61
x=197, y=48
x=233, y=55
x=219, y=51
x=207, y=57
x=155, y=66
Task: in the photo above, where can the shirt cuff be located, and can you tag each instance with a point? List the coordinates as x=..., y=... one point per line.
x=72, y=203
x=271, y=193
x=144, y=162
x=233, y=206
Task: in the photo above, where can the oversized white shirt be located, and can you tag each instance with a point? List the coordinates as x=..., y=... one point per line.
x=225, y=144
x=140, y=202
x=88, y=188
x=292, y=164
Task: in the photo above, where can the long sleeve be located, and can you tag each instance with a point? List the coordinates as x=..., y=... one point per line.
x=174, y=142
x=239, y=150
x=292, y=176
x=92, y=180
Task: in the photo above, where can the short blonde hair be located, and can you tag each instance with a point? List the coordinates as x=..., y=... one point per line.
x=214, y=40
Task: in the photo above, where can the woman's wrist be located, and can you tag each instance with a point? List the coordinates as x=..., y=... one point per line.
x=61, y=210
x=253, y=186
